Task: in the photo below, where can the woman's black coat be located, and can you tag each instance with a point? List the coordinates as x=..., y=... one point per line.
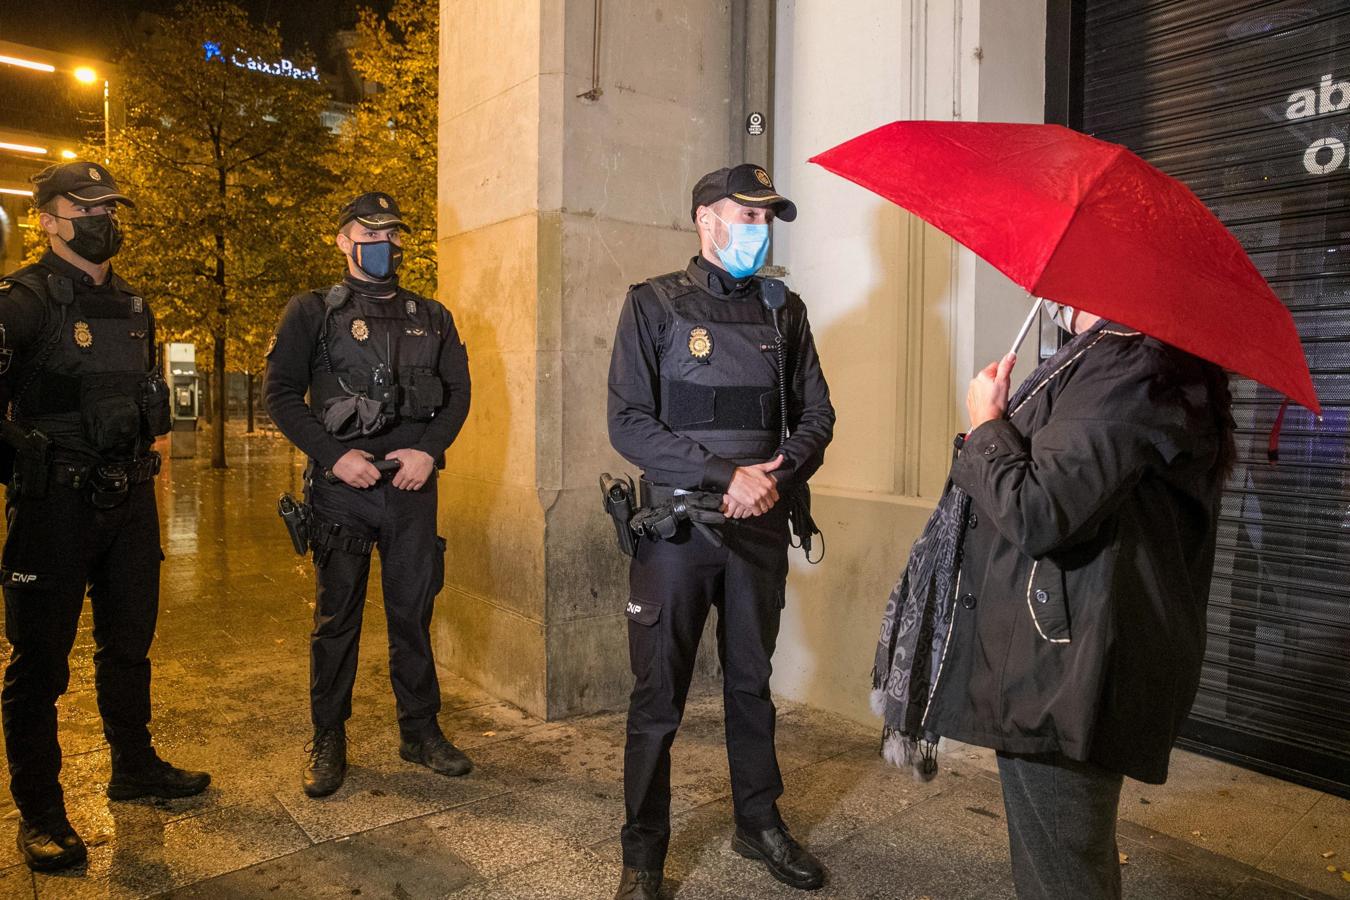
x=1079, y=625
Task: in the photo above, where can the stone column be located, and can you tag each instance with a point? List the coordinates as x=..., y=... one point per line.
x=564, y=178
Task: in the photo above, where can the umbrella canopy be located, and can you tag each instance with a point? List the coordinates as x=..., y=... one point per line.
x=1089, y=224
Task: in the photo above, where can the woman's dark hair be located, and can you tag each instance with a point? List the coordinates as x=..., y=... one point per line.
x=1221, y=399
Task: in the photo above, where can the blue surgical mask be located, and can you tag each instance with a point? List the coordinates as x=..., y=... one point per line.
x=747, y=245
x=378, y=259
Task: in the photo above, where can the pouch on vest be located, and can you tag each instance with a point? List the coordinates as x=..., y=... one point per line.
x=423, y=392
x=155, y=406
x=110, y=414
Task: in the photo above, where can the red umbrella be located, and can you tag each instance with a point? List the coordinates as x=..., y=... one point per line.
x=1089, y=224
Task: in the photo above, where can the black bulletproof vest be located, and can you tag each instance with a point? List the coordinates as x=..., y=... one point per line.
x=385, y=349
x=719, y=371
x=95, y=366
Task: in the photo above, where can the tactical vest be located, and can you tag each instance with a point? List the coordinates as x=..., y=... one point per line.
x=719, y=371
x=388, y=350
x=94, y=371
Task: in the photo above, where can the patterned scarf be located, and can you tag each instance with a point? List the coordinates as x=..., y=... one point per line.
x=915, y=626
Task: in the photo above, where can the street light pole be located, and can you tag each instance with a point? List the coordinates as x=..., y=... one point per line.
x=107, y=126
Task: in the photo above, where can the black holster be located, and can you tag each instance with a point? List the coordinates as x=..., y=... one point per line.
x=32, y=460
x=617, y=496
x=298, y=519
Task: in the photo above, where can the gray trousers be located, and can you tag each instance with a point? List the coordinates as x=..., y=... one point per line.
x=1061, y=827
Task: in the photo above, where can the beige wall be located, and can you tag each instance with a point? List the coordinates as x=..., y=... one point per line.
x=902, y=317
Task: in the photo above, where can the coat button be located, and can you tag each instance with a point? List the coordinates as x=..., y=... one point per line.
x=991, y=450
x=973, y=521
x=1042, y=596
x=968, y=601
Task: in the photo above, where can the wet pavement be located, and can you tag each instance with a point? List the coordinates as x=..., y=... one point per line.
x=539, y=816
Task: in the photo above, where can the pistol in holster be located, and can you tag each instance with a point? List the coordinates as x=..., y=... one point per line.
x=299, y=521
x=32, y=459
x=617, y=495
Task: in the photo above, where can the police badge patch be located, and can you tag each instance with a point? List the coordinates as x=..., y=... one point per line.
x=360, y=330
x=700, y=343
x=93, y=173
x=410, y=306
x=84, y=338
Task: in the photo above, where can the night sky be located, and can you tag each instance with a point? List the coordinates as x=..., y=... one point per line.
x=92, y=27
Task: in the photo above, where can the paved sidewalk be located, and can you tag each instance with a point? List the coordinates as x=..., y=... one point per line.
x=539, y=816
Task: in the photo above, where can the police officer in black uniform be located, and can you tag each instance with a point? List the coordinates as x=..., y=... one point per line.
x=85, y=401
x=699, y=360
x=388, y=384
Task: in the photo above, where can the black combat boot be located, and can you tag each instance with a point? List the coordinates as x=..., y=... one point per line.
x=785, y=859
x=435, y=751
x=639, y=884
x=48, y=842
x=327, y=762
x=143, y=774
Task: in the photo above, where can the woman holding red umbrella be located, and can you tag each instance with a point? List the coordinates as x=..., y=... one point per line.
x=1054, y=606
x=1078, y=627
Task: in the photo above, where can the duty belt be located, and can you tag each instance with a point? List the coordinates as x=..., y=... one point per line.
x=129, y=473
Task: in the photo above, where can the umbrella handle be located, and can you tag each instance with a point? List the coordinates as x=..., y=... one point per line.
x=1026, y=326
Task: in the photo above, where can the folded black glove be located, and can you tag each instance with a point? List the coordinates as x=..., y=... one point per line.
x=700, y=509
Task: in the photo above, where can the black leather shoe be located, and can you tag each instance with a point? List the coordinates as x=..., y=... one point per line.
x=436, y=753
x=785, y=859
x=327, y=762
x=639, y=884
x=146, y=775
x=50, y=845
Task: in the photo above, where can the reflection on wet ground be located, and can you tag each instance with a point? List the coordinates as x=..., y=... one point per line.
x=539, y=816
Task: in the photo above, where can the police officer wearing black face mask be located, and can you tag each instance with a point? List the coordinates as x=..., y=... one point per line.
x=388, y=385
x=85, y=400
x=694, y=400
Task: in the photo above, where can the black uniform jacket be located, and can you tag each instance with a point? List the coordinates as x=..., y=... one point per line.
x=636, y=428
x=1079, y=625
x=294, y=358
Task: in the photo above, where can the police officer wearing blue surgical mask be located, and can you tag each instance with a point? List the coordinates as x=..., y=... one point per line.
x=371, y=382
x=705, y=362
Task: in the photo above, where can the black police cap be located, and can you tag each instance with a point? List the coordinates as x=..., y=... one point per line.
x=83, y=182
x=373, y=210
x=748, y=185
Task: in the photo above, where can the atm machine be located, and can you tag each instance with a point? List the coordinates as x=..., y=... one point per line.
x=180, y=363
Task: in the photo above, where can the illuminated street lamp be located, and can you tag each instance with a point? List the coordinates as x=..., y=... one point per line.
x=17, y=192
x=86, y=75
x=68, y=154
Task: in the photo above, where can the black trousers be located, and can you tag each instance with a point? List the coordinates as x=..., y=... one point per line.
x=672, y=586
x=59, y=546
x=1061, y=827
x=403, y=526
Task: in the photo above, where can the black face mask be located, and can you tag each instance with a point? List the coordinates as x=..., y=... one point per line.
x=97, y=238
x=378, y=259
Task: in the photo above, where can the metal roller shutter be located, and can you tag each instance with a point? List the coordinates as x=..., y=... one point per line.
x=1249, y=103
